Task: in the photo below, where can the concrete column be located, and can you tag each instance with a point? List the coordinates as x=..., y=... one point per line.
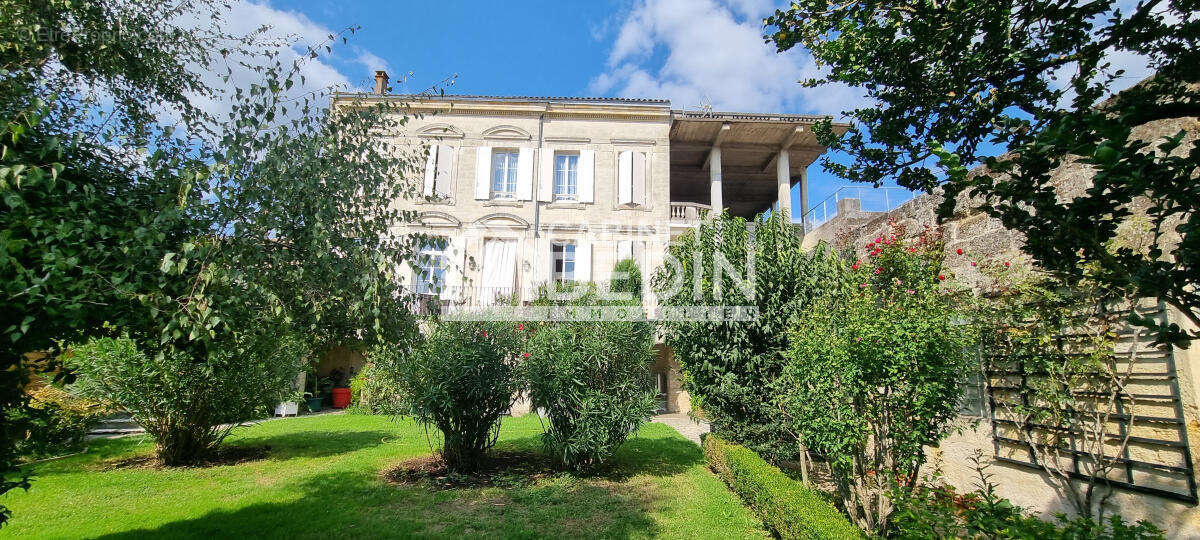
x=803, y=198
x=714, y=175
x=783, y=177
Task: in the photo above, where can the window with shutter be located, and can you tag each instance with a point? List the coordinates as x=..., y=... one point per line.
x=562, y=260
x=504, y=174
x=566, y=176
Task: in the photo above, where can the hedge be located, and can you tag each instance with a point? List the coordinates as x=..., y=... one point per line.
x=786, y=506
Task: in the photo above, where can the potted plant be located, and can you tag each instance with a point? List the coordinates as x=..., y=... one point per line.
x=315, y=397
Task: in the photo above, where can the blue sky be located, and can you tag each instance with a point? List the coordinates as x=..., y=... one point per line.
x=688, y=51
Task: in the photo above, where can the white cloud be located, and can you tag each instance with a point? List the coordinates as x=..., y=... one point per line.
x=694, y=50
x=289, y=36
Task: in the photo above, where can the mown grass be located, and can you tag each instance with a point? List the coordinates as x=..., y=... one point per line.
x=322, y=478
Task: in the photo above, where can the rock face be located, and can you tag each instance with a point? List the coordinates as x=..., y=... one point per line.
x=981, y=237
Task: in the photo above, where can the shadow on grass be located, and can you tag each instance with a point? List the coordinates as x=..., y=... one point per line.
x=654, y=456
x=308, y=444
x=356, y=505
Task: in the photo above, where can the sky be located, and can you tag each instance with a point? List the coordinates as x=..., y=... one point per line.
x=688, y=51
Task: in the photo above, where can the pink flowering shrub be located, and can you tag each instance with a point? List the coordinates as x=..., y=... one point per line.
x=874, y=369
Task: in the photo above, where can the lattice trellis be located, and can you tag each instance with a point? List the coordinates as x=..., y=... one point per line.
x=1156, y=460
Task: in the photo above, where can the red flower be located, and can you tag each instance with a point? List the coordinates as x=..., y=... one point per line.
x=878, y=270
x=1006, y=263
x=520, y=326
x=942, y=277
x=878, y=240
x=959, y=251
x=484, y=333
x=526, y=355
x=972, y=263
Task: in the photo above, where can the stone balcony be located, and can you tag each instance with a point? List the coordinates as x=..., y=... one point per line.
x=688, y=214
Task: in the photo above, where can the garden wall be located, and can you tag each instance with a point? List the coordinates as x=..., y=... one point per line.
x=980, y=236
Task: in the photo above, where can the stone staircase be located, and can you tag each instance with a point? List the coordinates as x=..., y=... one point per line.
x=115, y=425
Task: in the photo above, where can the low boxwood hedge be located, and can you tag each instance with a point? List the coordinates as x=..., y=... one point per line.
x=786, y=506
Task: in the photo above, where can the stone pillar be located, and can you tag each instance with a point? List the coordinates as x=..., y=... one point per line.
x=804, y=200
x=714, y=175
x=783, y=177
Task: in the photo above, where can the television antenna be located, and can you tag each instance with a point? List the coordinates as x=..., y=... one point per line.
x=705, y=107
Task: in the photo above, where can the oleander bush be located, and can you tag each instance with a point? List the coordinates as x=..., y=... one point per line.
x=592, y=381
x=788, y=508
x=462, y=380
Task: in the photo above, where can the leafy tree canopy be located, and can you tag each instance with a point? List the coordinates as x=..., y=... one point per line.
x=954, y=81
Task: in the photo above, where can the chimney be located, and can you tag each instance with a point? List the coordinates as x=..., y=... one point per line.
x=381, y=82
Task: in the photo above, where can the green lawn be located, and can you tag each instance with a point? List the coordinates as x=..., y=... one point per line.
x=322, y=480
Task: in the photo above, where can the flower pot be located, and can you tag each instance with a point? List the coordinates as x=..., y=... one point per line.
x=341, y=398
x=314, y=403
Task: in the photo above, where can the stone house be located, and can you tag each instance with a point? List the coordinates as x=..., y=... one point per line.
x=531, y=190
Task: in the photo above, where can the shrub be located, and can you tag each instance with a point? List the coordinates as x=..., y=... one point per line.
x=789, y=508
x=627, y=278
x=592, y=381
x=731, y=368
x=189, y=406
x=58, y=421
x=935, y=510
x=875, y=372
x=462, y=380
x=376, y=390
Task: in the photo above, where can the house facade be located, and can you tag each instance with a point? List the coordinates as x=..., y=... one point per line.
x=532, y=190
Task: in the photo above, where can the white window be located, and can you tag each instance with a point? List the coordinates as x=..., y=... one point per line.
x=504, y=174
x=431, y=267
x=562, y=256
x=566, y=177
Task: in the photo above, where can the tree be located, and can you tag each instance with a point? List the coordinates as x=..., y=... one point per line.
x=730, y=368
x=198, y=237
x=874, y=372
x=954, y=81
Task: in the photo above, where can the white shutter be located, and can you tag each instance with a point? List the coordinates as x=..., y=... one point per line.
x=430, y=169
x=624, y=250
x=639, y=178
x=542, y=261
x=587, y=176
x=525, y=174
x=444, y=181
x=625, y=177
x=483, y=170
x=456, y=263
x=583, y=261
x=546, y=176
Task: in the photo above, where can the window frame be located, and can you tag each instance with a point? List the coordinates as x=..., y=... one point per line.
x=570, y=184
x=431, y=262
x=559, y=252
x=511, y=175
